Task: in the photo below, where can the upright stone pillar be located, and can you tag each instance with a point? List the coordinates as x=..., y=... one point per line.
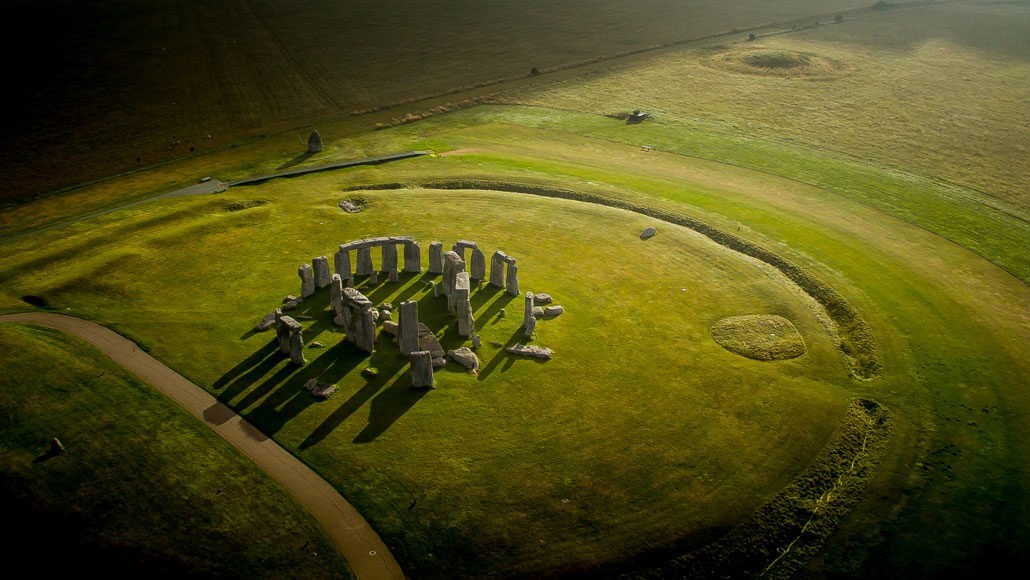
x=452, y=265
x=314, y=141
x=364, y=266
x=291, y=341
x=421, y=369
x=362, y=330
x=407, y=330
x=529, y=308
x=336, y=295
x=529, y=327
x=477, y=265
x=390, y=261
x=462, y=306
x=307, y=280
x=341, y=261
x=412, y=257
x=511, y=279
x=436, y=258
x=497, y=269
x=322, y=275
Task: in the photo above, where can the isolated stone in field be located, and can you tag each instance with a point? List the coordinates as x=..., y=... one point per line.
x=497, y=262
x=759, y=337
x=465, y=357
x=307, y=280
x=552, y=311
x=529, y=327
x=436, y=258
x=648, y=232
x=408, y=329
x=541, y=298
x=56, y=448
x=421, y=369
x=364, y=265
x=511, y=279
x=412, y=257
x=320, y=390
x=314, y=141
x=267, y=322
x=341, y=262
x=477, y=264
x=322, y=274
x=533, y=351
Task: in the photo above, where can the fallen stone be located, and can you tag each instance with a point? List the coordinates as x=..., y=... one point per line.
x=349, y=207
x=541, y=298
x=390, y=327
x=291, y=305
x=385, y=315
x=648, y=233
x=529, y=350
x=428, y=341
x=387, y=306
x=267, y=322
x=292, y=298
x=320, y=390
x=439, y=362
x=538, y=311
x=316, y=344
x=465, y=357
x=552, y=311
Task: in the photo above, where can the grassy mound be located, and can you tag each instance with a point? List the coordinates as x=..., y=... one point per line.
x=778, y=62
x=777, y=59
x=758, y=336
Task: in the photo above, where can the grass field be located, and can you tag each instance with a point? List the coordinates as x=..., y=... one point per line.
x=643, y=446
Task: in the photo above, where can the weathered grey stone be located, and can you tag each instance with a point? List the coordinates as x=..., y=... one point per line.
x=452, y=266
x=552, y=311
x=389, y=258
x=342, y=320
x=392, y=328
x=412, y=257
x=355, y=298
x=538, y=311
x=362, y=330
x=511, y=280
x=322, y=274
x=465, y=357
x=527, y=350
x=462, y=307
x=477, y=264
x=267, y=322
x=314, y=141
x=336, y=295
x=341, y=262
x=408, y=330
x=529, y=307
x=373, y=277
x=291, y=305
x=320, y=390
x=541, y=298
x=461, y=245
x=307, y=280
x=497, y=269
x=385, y=315
x=349, y=206
x=439, y=362
x=364, y=265
x=291, y=341
x=292, y=298
x=476, y=341
x=509, y=259
x=529, y=327
x=392, y=276
x=428, y=341
x=648, y=232
x=348, y=282
x=421, y=369
x=436, y=258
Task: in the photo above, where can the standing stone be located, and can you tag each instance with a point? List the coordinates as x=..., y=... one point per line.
x=390, y=259
x=362, y=330
x=452, y=266
x=314, y=142
x=511, y=279
x=529, y=327
x=322, y=275
x=477, y=265
x=462, y=306
x=373, y=278
x=408, y=328
x=291, y=341
x=436, y=258
x=421, y=369
x=341, y=261
x=497, y=269
x=466, y=358
x=364, y=266
x=336, y=295
x=412, y=257
x=529, y=307
x=461, y=245
x=307, y=280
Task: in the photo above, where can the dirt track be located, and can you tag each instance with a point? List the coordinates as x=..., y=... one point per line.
x=356, y=540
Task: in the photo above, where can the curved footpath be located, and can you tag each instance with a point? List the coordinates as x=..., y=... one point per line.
x=357, y=541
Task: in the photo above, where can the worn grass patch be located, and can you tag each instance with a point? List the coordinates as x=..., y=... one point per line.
x=758, y=336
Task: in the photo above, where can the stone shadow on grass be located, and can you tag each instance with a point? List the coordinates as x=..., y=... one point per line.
x=295, y=161
x=502, y=356
x=389, y=406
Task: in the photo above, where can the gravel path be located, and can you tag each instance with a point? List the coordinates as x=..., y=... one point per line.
x=356, y=540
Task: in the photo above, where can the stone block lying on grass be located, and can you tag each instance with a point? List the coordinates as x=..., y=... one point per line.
x=529, y=350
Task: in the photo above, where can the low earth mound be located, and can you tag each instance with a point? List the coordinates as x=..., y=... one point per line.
x=777, y=62
x=758, y=336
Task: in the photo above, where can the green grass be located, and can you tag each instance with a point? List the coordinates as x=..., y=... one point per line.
x=122, y=500
x=759, y=337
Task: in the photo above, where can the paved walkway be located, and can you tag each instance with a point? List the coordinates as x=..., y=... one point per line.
x=357, y=541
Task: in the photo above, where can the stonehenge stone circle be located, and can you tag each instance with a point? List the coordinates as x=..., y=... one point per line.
x=421, y=369
x=321, y=268
x=436, y=258
x=307, y=280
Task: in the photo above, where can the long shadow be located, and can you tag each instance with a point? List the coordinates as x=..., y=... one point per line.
x=253, y=375
x=295, y=161
x=252, y=360
x=495, y=308
x=502, y=356
x=406, y=281
x=266, y=386
x=389, y=406
x=480, y=297
x=419, y=283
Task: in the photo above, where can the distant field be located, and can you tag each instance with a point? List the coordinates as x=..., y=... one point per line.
x=114, y=87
